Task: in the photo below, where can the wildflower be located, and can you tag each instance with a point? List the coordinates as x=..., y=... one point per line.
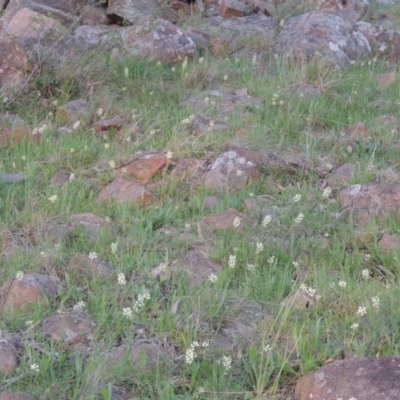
x=326, y=193
x=239, y=172
x=254, y=60
x=108, y=219
x=251, y=267
x=43, y=254
x=259, y=247
x=100, y=112
x=92, y=255
x=81, y=305
x=225, y=77
x=349, y=149
x=126, y=72
x=354, y=326
x=35, y=367
x=281, y=22
x=55, y=102
x=23, y=158
x=375, y=302
x=158, y=63
x=207, y=100
x=50, y=114
x=266, y=221
x=267, y=348
x=232, y=261
x=127, y=312
x=190, y=355
x=173, y=69
x=342, y=284
x=71, y=177
x=212, y=278
x=271, y=260
x=205, y=344
x=19, y=275
x=299, y=218
x=361, y=311
x=184, y=64
x=29, y=323
x=111, y=164
x=76, y=125
x=128, y=139
x=124, y=88
x=169, y=154
x=365, y=273
x=162, y=267
x=106, y=145
x=236, y=222
x=201, y=59
x=121, y=279
x=295, y=264
x=211, y=123
x=53, y=198
x=152, y=132
x=114, y=247
x=296, y=198
x=124, y=170
x=367, y=257
x=387, y=286
x=139, y=303
x=227, y=363
x=187, y=226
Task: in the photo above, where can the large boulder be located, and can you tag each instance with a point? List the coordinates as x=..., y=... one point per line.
x=357, y=378
x=324, y=35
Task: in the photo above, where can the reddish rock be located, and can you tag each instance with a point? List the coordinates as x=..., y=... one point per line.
x=28, y=24
x=342, y=176
x=81, y=266
x=59, y=179
x=202, y=124
x=389, y=242
x=357, y=131
x=75, y=329
x=227, y=221
x=144, y=167
x=231, y=8
x=209, y=202
x=14, y=65
x=108, y=124
x=158, y=40
x=31, y=289
x=186, y=169
x=121, y=191
x=278, y=163
x=8, y=357
x=384, y=81
x=371, y=199
x=17, y=134
x=232, y=170
x=16, y=396
x=355, y=378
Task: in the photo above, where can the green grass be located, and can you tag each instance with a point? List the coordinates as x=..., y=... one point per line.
x=319, y=252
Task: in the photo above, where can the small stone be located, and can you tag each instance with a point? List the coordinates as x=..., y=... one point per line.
x=226, y=219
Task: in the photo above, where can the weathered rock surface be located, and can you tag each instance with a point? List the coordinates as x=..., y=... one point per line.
x=144, y=166
x=371, y=199
x=8, y=356
x=342, y=175
x=229, y=220
x=121, y=190
x=232, y=170
x=389, y=242
x=71, y=329
x=81, y=266
x=158, y=40
x=324, y=35
x=131, y=11
x=385, y=42
x=152, y=351
x=14, y=65
x=72, y=111
x=357, y=378
x=33, y=288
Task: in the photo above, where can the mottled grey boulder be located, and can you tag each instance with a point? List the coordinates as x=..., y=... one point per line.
x=324, y=35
